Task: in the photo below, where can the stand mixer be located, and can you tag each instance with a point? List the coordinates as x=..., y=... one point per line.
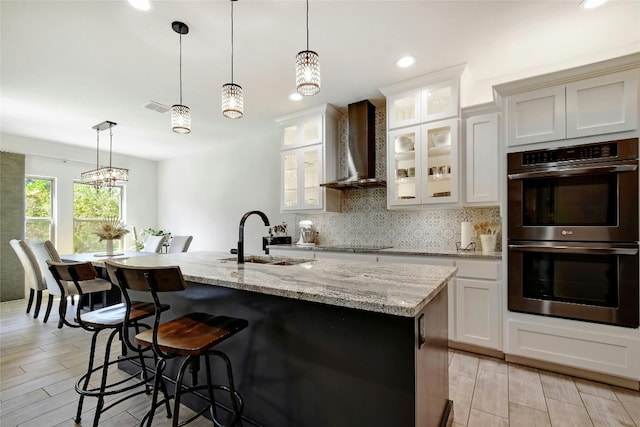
x=308, y=235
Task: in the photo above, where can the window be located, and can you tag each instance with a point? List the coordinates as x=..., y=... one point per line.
x=89, y=207
x=38, y=209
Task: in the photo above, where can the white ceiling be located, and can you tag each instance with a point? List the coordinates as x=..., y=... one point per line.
x=68, y=65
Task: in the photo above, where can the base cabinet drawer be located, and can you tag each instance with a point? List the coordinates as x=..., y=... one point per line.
x=608, y=353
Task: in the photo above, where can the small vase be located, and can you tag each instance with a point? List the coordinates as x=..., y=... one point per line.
x=488, y=242
x=109, y=247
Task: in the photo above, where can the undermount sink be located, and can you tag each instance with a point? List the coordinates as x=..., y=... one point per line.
x=269, y=260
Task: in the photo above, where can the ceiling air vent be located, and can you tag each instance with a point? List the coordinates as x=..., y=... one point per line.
x=156, y=106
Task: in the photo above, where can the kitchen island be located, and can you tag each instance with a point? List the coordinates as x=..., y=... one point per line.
x=329, y=342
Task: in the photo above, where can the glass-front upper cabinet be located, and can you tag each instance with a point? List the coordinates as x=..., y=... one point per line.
x=423, y=164
x=403, y=180
x=309, y=159
x=302, y=173
x=403, y=109
x=440, y=101
x=422, y=139
x=306, y=132
x=440, y=163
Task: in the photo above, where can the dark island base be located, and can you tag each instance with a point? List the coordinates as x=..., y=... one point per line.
x=308, y=364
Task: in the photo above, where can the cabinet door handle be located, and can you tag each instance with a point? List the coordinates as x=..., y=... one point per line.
x=421, y=333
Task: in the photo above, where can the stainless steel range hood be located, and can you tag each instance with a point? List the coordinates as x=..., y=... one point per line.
x=361, y=150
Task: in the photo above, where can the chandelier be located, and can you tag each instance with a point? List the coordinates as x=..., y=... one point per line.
x=308, y=68
x=231, y=92
x=104, y=176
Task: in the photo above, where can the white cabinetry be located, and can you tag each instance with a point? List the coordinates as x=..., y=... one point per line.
x=309, y=150
x=573, y=345
x=478, y=312
x=423, y=103
x=481, y=160
x=427, y=171
x=603, y=104
x=592, y=100
x=422, y=140
x=536, y=116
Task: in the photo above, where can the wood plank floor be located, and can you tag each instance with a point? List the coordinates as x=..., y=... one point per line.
x=40, y=363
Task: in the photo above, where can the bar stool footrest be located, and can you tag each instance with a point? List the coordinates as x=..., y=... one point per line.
x=109, y=389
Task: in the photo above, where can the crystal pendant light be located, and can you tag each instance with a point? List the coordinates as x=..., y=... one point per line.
x=180, y=114
x=308, y=68
x=105, y=176
x=232, y=93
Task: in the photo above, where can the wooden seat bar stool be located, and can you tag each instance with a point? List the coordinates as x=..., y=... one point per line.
x=116, y=319
x=191, y=336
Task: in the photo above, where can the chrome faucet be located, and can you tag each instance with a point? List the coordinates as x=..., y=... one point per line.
x=240, y=250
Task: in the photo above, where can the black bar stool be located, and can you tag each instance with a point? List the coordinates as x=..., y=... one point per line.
x=191, y=336
x=116, y=319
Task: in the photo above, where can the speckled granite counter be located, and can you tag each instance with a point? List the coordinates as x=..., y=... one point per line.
x=327, y=339
x=392, y=251
x=396, y=289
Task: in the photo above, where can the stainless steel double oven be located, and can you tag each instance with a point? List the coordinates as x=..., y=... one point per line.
x=573, y=232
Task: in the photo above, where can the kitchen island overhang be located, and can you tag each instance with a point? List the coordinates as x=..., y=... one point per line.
x=330, y=342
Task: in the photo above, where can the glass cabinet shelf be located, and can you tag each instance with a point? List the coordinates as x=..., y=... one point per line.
x=309, y=138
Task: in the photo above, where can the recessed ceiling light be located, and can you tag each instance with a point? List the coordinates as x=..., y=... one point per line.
x=141, y=4
x=592, y=4
x=295, y=96
x=405, y=61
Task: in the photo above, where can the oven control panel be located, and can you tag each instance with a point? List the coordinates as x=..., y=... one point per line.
x=581, y=152
x=606, y=151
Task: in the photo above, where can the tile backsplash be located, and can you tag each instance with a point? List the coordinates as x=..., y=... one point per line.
x=364, y=219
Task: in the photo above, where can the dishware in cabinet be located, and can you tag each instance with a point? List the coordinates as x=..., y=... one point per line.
x=440, y=101
x=423, y=164
x=440, y=162
x=404, y=174
x=432, y=102
x=403, y=109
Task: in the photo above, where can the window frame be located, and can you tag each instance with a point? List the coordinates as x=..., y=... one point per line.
x=119, y=244
x=52, y=207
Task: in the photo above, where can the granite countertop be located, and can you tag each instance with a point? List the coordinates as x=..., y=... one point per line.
x=393, y=251
x=396, y=289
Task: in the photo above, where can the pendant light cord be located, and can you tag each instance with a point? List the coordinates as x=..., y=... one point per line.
x=307, y=24
x=111, y=142
x=97, y=149
x=180, y=68
x=232, y=41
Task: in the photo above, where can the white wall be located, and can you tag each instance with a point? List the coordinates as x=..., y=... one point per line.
x=205, y=195
x=65, y=163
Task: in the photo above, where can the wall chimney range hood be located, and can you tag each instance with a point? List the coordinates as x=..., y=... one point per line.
x=361, y=150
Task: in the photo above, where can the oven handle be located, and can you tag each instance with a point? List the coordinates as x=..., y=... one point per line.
x=575, y=249
x=574, y=171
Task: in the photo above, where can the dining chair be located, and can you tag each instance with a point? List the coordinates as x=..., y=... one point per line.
x=179, y=244
x=116, y=320
x=190, y=337
x=32, y=274
x=153, y=244
x=44, y=251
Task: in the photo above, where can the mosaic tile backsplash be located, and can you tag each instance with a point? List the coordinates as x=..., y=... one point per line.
x=365, y=220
